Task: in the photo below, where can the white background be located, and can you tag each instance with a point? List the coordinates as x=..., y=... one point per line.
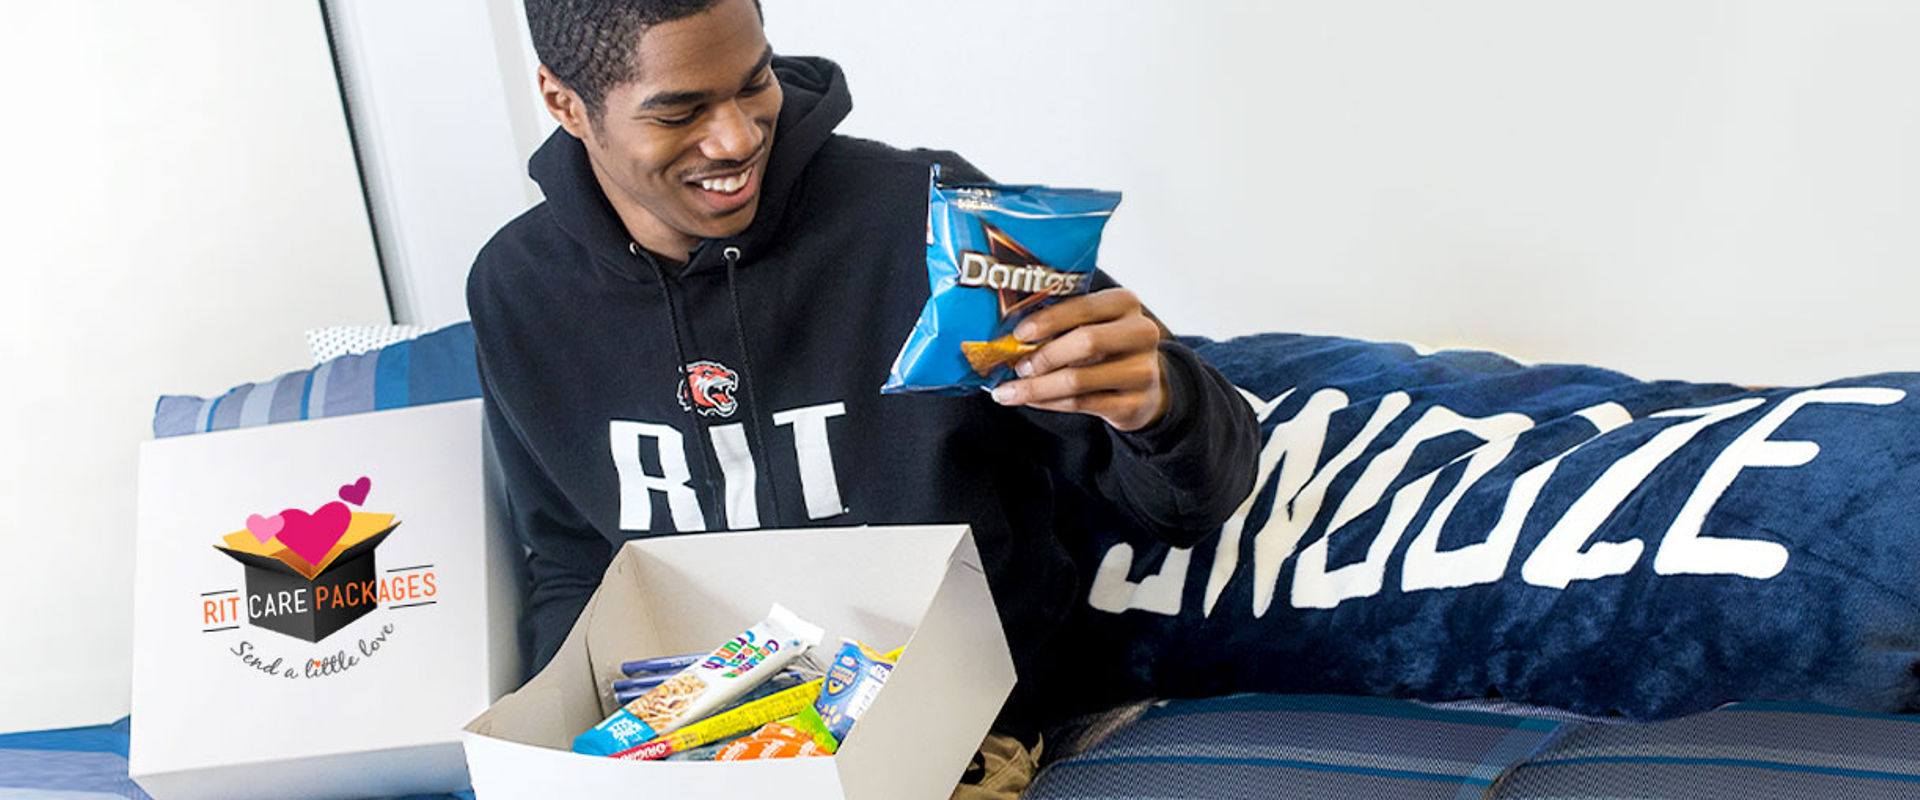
x=1679, y=189
x=180, y=204
x=1703, y=189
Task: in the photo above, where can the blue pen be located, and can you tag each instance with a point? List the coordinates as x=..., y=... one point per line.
x=649, y=666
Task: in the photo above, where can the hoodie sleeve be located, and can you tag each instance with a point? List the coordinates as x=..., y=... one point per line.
x=1180, y=477
x=565, y=557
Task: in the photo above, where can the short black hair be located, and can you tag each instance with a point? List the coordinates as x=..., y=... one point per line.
x=592, y=46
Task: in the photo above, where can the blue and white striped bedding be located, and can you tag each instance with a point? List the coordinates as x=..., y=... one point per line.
x=433, y=368
x=1746, y=751
x=86, y=764
x=1265, y=746
x=79, y=763
x=1322, y=746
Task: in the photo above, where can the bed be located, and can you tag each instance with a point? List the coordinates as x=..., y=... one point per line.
x=1460, y=576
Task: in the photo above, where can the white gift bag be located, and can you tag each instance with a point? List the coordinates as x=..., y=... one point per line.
x=319, y=606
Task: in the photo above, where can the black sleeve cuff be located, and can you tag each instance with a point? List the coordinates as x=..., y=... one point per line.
x=1174, y=426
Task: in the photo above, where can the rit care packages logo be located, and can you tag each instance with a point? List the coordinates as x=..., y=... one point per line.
x=306, y=575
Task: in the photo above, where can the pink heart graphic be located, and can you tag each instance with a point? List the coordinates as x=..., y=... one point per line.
x=356, y=492
x=264, y=528
x=311, y=536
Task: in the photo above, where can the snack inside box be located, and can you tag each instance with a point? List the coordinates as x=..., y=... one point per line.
x=917, y=586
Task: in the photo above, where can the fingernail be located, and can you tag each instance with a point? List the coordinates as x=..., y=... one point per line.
x=1024, y=332
x=1004, y=395
x=1025, y=368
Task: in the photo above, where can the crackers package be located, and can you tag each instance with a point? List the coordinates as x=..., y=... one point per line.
x=995, y=253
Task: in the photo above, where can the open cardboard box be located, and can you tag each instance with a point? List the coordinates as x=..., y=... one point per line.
x=921, y=586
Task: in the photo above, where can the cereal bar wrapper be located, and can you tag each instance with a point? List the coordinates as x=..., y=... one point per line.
x=994, y=254
x=758, y=653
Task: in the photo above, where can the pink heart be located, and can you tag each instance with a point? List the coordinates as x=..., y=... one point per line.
x=311, y=536
x=356, y=492
x=264, y=528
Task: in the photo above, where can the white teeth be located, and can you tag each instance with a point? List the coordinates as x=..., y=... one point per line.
x=727, y=185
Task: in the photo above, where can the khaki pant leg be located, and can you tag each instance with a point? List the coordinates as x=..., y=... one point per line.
x=1000, y=771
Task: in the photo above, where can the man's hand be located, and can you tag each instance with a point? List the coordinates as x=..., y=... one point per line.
x=1103, y=359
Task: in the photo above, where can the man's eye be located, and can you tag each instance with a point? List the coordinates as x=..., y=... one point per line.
x=757, y=88
x=675, y=122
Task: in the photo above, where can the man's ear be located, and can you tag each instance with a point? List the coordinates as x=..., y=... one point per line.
x=564, y=104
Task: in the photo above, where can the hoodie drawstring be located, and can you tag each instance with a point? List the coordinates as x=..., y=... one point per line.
x=707, y=465
x=732, y=257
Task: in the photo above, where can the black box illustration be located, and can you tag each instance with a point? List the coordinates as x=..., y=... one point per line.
x=280, y=598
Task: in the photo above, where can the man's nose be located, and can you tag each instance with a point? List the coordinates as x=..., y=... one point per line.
x=731, y=134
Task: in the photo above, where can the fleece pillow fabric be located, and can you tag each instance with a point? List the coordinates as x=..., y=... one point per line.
x=1459, y=525
x=433, y=368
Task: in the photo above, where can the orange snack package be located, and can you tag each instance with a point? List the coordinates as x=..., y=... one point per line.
x=757, y=746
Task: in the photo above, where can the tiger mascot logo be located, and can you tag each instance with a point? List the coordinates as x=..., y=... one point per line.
x=708, y=389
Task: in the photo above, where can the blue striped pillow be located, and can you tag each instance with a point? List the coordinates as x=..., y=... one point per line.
x=434, y=368
x=1260, y=746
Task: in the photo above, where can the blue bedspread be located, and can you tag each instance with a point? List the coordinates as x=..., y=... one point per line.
x=79, y=763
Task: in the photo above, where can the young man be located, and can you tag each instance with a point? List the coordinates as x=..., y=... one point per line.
x=691, y=332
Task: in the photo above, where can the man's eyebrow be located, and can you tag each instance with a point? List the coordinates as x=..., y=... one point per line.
x=660, y=100
x=766, y=57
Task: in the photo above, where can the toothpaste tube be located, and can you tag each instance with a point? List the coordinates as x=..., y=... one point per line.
x=700, y=689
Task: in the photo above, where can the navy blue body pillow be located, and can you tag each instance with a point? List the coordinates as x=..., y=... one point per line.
x=1457, y=525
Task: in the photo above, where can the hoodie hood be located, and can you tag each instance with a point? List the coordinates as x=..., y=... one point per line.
x=815, y=101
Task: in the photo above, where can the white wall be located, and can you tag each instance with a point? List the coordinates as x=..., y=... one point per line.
x=180, y=205
x=1707, y=189
x=444, y=113
x=1680, y=188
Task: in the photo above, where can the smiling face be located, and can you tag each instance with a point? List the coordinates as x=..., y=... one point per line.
x=680, y=150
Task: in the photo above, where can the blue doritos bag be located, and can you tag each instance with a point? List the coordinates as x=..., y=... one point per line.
x=994, y=254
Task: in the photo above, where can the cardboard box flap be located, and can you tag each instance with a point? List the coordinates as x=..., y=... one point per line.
x=268, y=563
x=342, y=556
x=286, y=562
x=547, y=712
x=930, y=713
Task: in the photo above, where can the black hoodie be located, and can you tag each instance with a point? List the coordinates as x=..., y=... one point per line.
x=788, y=330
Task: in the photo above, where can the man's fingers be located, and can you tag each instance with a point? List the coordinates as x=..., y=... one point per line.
x=1073, y=312
x=1105, y=405
x=1091, y=344
x=1127, y=375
